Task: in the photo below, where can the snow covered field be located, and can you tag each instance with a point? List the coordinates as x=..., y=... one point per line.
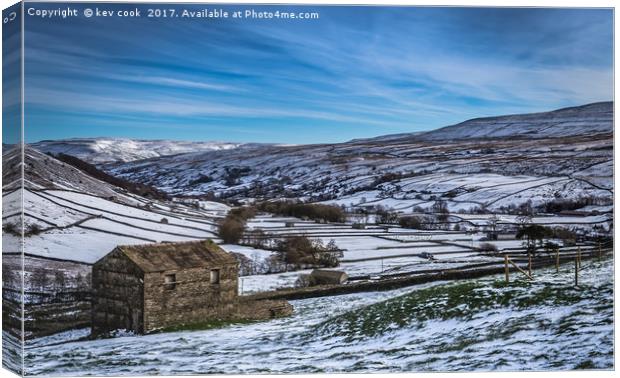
x=97, y=225
x=81, y=227
x=546, y=324
x=369, y=251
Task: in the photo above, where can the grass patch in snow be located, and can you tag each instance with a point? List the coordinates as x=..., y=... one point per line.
x=460, y=301
x=209, y=324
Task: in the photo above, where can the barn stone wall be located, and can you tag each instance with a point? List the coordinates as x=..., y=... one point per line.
x=194, y=298
x=125, y=297
x=250, y=309
x=117, y=295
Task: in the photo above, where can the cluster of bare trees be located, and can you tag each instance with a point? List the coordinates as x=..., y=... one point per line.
x=256, y=264
x=293, y=253
x=300, y=252
x=58, y=281
x=46, y=286
x=316, y=212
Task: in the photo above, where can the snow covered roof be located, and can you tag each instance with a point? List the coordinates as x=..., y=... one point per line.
x=324, y=276
x=177, y=256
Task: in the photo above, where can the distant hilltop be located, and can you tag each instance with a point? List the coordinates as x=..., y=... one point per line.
x=590, y=119
x=596, y=118
x=106, y=150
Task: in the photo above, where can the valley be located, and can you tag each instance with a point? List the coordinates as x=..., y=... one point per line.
x=452, y=199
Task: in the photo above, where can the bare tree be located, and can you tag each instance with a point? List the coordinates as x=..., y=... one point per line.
x=39, y=280
x=441, y=207
x=60, y=281
x=82, y=282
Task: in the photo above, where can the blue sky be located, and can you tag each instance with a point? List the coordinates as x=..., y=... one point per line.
x=355, y=72
x=11, y=77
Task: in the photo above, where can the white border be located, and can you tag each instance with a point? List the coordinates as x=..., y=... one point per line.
x=467, y=3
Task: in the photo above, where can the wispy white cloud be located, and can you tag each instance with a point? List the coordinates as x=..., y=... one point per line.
x=174, y=82
x=162, y=105
x=386, y=70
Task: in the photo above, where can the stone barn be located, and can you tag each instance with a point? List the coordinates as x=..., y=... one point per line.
x=327, y=277
x=143, y=288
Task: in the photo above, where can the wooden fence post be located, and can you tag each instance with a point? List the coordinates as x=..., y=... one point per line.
x=600, y=253
x=557, y=260
x=506, y=271
x=579, y=256
x=529, y=276
x=529, y=263
x=576, y=271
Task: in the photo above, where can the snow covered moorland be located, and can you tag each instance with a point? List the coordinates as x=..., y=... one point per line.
x=406, y=172
x=408, y=206
x=105, y=150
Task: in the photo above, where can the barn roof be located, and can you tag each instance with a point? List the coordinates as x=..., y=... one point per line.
x=325, y=275
x=176, y=256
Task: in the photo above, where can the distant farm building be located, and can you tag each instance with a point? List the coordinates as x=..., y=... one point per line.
x=500, y=236
x=491, y=235
x=289, y=224
x=155, y=286
x=576, y=213
x=507, y=236
x=327, y=277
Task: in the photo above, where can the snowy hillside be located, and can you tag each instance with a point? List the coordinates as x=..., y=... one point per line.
x=399, y=174
x=473, y=325
x=588, y=119
x=403, y=176
x=65, y=208
x=104, y=150
x=43, y=171
x=568, y=158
